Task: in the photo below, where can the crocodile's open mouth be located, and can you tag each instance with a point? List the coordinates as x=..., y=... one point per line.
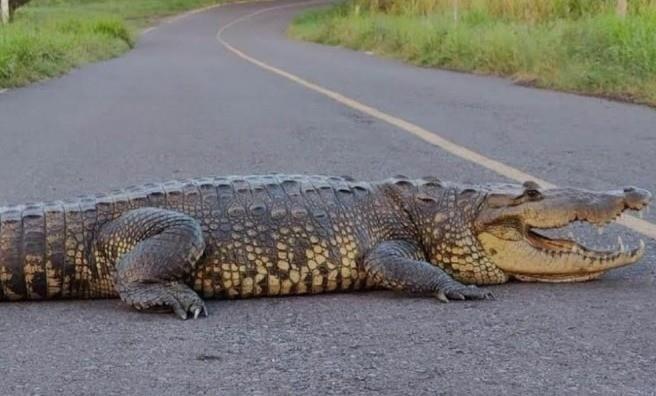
x=533, y=253
x=565, y=247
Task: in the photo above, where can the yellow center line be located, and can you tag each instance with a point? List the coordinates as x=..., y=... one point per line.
x=176, y=18
x=644, y=227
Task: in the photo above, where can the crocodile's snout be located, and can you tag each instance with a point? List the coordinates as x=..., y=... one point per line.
x=512, y=235
x=636, y=198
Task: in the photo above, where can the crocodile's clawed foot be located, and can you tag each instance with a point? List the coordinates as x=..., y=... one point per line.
x=198, y=311
x=178, y=297
x=462, y=292
x=185, y=303
x=184, y=309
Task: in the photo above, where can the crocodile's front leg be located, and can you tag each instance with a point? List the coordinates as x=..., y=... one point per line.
x=400, y=265
x=154, y=251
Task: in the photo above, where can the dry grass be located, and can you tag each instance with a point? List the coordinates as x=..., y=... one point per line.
x=574, y=45
x=534, y=11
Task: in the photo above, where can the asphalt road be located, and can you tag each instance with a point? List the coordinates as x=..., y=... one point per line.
x=181, y=105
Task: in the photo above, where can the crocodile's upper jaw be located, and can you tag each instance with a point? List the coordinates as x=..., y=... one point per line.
x=510, y=237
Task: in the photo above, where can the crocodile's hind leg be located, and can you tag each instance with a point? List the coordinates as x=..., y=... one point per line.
x=154, y=252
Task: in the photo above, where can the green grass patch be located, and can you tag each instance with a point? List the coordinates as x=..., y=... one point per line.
x=49, y=37
x=595, y=52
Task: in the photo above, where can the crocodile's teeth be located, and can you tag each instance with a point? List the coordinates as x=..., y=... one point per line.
x=571, y=236
x=621, y=243
x=600, y=230
x=640, y=214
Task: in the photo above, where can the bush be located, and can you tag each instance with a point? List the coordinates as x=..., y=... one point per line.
x=33, y=51
x=49, y=37
x=14, y=4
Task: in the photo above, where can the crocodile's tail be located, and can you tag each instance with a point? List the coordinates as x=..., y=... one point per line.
x=46, y=252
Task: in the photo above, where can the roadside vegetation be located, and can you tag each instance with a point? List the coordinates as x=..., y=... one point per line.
x=49, y=37
x=595, y=47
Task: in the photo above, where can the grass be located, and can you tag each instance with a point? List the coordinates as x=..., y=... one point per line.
x=49, y=37
x=582, y=46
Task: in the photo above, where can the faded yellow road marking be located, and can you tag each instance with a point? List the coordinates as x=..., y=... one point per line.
x=644, y=227
x=198, y=11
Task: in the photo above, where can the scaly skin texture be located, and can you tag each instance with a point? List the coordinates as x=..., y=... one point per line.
x=164, y=246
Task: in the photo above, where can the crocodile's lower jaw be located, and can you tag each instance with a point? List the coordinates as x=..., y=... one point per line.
x=559, y=278
x=538, y=259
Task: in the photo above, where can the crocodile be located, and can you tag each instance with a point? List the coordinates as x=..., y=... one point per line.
x=168, y=246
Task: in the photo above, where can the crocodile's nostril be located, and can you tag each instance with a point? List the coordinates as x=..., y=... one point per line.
x=629, y=189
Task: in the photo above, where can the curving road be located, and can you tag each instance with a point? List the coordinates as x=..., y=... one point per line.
x=182, y=104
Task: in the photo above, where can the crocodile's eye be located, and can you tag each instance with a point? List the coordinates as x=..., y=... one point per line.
x=533, y=194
